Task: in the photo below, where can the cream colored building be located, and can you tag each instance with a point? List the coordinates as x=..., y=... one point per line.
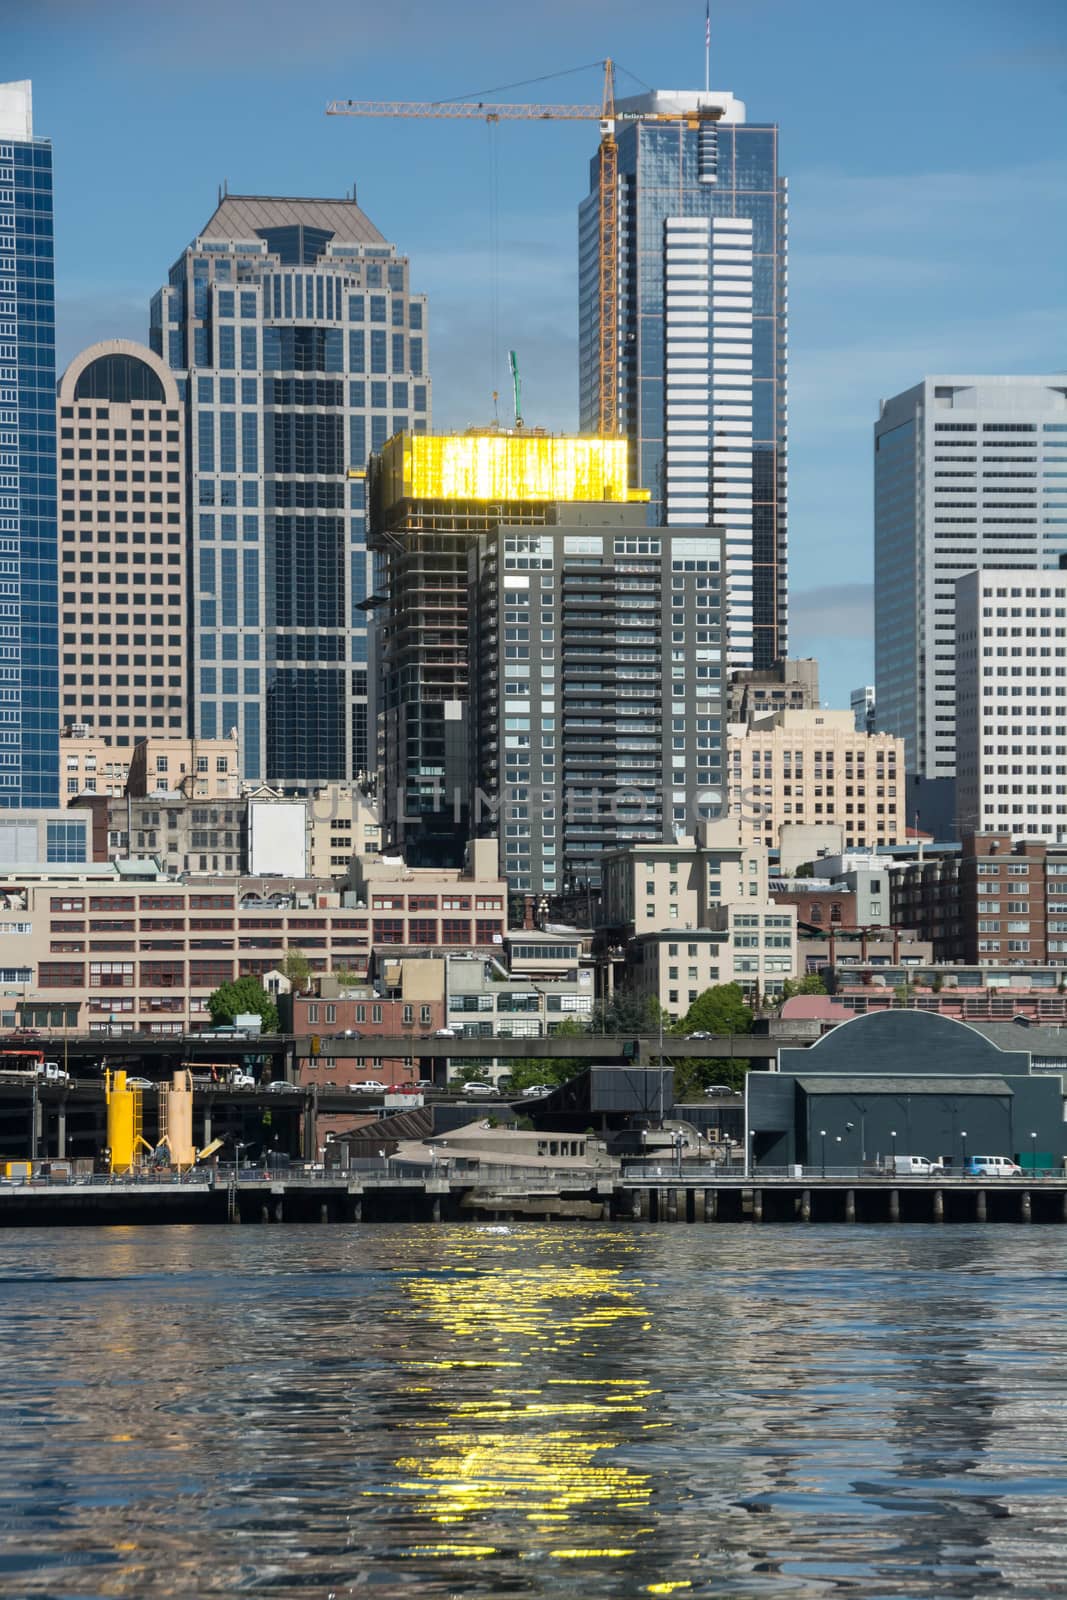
x=814, y=767
x=121, y=468
x=200, y=769
x=698, y=913
x=89, y=764
x=342, y=823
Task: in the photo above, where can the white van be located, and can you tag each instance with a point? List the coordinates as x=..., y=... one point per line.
x=991, y=1167
x=914, y=1166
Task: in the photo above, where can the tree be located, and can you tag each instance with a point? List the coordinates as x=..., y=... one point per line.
x=629, y=1011
x=296, y=967
x=346, y=977
x=230, y=1000
x=812, y=984
x=720, y=1009
x=550, y=1069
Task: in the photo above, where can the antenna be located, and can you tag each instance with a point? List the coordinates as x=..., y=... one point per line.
x=513, y=362
x=707, y=47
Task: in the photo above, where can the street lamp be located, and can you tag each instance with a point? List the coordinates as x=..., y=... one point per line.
x=963, y=1141
x=822, y=1136
x=893, y=1136
x=750, y=1151
x=1033, y=1152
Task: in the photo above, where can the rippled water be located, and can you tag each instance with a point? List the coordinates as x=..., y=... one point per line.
x=533, y=1411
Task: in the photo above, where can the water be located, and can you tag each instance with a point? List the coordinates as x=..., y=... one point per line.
x=586, y=1410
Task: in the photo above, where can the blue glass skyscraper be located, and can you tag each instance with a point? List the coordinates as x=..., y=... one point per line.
x=29, y=665
x=702, y=329
x=299, y=347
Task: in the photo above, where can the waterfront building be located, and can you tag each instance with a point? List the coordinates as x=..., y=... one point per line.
x=431, y=499
x=29, y=615
x=813, y=767
x=701, y=354
x=1011, y=684
x=300, y=347
x=122, y=560
x=968, y=473
x=596, y=688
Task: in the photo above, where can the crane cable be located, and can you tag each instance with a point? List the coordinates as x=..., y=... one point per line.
x=494, y=260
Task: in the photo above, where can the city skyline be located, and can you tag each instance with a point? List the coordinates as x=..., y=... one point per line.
x=889, y=173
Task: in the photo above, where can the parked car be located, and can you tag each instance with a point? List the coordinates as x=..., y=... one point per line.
x=533, y=1091
x=425, y=1084
x=282, y=1086
x=400, y=1088
x=139, y=1083
x=482, y=1089
x=991, y=1167
x=367, y=1086
x=445, y=1033
x=718, y=1088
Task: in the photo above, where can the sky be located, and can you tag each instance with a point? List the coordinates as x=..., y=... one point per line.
x=924, y=144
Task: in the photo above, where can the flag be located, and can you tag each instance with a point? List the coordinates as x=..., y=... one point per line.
x=707, y=25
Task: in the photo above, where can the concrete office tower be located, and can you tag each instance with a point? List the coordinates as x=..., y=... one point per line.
x=1011, y=706
x=702, y=349
x=431, y=497
x=304, y=349
x=29, y=680
x=596, y=688
x=968, y=472
x=122, y=545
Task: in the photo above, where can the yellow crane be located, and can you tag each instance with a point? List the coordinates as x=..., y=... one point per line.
x=608, y=216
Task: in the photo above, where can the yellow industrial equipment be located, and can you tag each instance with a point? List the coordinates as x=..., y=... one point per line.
x=608, y=188
x=124, y=1137
x=176, y=1119
x=502, y=467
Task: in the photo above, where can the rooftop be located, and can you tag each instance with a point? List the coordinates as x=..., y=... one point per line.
x=242, y=216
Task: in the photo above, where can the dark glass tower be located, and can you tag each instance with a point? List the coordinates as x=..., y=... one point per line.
x=29, y=663
x=701, y=374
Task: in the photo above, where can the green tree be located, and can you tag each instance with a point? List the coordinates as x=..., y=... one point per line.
x=719, y=1010
x=550, y=1069
x=230, y=1000
x=346, y=977
x=296, y=967
x=812, y=984
x=629, y=1011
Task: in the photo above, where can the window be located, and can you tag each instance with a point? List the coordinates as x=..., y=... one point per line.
x=61, y=974
x=65, y=842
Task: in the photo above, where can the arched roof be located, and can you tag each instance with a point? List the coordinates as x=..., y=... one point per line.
x=121, y=371
x=905, y=1042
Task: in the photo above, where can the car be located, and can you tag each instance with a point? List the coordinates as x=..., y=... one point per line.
x=242, y=1080
x=445, y=1033
x=718, y=1088
x=282, y=1086
x=367, y=1086
x=139, y=1083
x=991, y=1167
x=423, y=1085
x=482, y=1089
x=349, y=1033
x=700, y=1034
x=533, y=1091
x=400, y=1088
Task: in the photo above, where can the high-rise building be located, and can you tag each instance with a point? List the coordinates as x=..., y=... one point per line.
x=812, y=767
x=1011, y=704
x=29, y=615
x=431, y=497
x=968, y=472
x=122, y=557
x=301, y=348
x=862, y=702
x=596, y=688
x=701, y=357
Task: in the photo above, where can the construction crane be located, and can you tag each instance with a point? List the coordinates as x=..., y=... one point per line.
x=608, y=214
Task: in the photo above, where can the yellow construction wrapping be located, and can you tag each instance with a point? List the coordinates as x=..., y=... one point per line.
x=501, y=466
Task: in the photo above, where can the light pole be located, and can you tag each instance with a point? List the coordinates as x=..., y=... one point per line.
x=963, y=1142
x=837, y=1140
x=822, y=1136
x=1033, y=1152
x=750, y=1151
x=893, y=1136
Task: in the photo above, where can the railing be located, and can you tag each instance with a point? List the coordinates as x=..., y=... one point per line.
x=667, y=1171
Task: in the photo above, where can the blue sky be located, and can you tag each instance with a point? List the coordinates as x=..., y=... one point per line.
x=924, y=144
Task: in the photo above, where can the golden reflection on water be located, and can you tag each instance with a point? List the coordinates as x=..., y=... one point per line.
x=508, y=1426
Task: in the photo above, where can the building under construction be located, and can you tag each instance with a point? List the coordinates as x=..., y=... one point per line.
x=430, y=498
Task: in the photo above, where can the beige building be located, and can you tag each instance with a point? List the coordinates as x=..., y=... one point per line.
x=417, y=908
x=89, y=764
x=200, y=769
x=698, y=913
x=121, y=545
x=814, y=767
x=342, y=823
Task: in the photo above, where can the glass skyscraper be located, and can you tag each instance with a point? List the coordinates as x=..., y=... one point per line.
x=29, y=665
x=300, y=348
x=702, y=317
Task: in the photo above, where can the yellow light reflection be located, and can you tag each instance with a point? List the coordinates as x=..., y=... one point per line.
x=506, y=467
